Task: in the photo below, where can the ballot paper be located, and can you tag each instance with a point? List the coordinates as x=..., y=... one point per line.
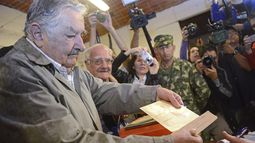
x=174, y=119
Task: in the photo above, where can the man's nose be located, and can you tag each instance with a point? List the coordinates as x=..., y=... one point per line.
x=80, y=44
x=165, y=51
x=105, y=63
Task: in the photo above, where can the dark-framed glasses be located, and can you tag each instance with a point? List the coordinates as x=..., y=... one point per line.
x=100, y=61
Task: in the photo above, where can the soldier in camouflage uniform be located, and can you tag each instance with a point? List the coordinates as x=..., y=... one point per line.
x=180, y=76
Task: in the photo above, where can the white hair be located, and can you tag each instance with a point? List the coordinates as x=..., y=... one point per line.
x=47, y=12
x=90, y=49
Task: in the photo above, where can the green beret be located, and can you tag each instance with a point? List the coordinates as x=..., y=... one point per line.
x=163, y=40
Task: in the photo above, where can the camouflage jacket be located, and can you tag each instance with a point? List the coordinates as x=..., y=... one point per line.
x=183, y=78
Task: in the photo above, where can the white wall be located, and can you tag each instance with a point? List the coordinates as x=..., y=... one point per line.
x=166, y=22
x=11, y=25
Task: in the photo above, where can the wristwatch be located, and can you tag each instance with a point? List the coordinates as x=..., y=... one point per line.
x=217, y=82
x=235, y=52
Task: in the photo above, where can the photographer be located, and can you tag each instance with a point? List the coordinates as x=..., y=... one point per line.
x=193, y=55
x=106, y=21
x=233, y=48
x=184, y=44
x=231, y=59
x=221, y=89
x=228, y=13
x=250, y=51
x=250, y=40
x=247, y=26
x=138, y=70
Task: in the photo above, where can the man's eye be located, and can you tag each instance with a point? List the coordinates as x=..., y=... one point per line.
x=97, y=62
x=108, y=61
x=70, y=36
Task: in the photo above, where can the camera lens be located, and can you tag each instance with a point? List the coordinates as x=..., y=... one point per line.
x=207, y=61
x=100, y=17
x=192, y=29
x=147, y=57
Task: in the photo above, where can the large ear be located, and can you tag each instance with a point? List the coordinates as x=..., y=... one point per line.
x=87, y=62
x=37, y=34
x=174, y=47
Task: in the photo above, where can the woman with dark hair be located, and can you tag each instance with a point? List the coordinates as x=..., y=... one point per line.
x=138, y=71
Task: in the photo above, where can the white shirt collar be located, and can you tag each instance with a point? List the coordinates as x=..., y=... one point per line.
x=61, y=69
x=56, y=64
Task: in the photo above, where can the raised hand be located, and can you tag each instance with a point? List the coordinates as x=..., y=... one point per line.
x=155, y=67
x=92, y=19
x=233, y=139
x=170, y=96
x=107, y=23
x=185, y=33
x=211, y=73
x=133, y=51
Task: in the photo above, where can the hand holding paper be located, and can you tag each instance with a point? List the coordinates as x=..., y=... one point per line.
x=184, y=136
x=170, y=96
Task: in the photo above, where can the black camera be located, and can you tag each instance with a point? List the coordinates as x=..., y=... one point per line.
x=219, y=35
x=207, y=61
x=100, y=17
x=138, y=18
x=216, y=26
x=192, y=29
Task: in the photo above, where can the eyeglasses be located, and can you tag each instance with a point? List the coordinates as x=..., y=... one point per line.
x=100, y=61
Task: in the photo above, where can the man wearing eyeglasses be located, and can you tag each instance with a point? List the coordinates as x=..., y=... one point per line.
x=98, y=60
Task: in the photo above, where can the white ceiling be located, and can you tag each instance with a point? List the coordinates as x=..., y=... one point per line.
x=11, y=25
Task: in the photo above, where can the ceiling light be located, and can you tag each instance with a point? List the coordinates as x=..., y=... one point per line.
x=100, y=4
